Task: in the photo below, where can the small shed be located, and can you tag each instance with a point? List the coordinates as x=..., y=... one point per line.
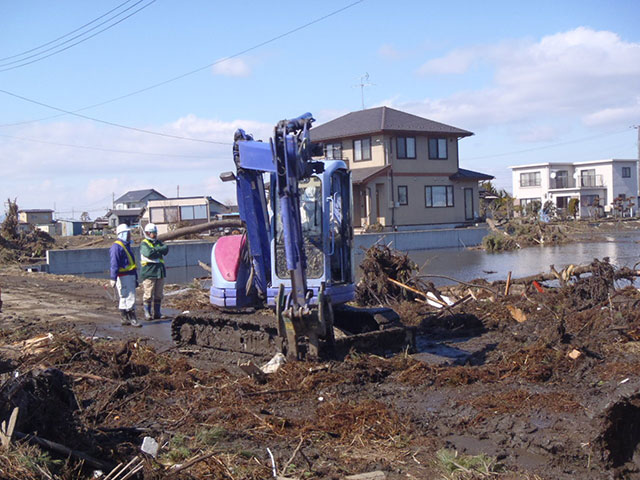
x=70, y=228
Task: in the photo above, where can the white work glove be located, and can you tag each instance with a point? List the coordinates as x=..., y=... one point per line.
x=112, y=283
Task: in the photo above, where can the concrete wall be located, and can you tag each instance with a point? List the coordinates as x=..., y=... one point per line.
x=188, y=253
x=425, y=239
x=96, y=260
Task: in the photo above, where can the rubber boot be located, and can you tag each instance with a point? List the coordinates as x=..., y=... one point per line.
x=156, y=311
x=133, y=319
x=147, y=311
x=124, y=317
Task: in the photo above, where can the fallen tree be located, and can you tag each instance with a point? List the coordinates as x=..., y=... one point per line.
x=212, y=225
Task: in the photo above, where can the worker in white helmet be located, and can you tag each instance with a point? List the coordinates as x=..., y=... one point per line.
x=153, y=271
x=124, y=275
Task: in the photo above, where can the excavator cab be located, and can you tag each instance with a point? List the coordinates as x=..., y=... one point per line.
x=325, y=212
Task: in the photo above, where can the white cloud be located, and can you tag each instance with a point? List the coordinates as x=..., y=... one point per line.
x=628, y=114
x=232, y=67
x=458, y=61
x=389, y=52
x=42, y=174
x=585, y=75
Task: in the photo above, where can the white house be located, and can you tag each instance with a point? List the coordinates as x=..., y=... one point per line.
x=183, y=211
x=599, y=181
x=128, y=208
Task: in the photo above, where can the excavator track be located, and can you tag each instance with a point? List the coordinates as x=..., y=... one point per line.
x=250, y=332
x=256, y=333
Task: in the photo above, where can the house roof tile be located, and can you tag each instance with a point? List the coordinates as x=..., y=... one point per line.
x=463, y=174
x=137, y=195
x=381, y=119
x=362, y=175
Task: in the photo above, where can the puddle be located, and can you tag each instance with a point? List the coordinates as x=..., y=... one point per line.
x=441, y=352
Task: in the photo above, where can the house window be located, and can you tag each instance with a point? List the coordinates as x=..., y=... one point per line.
x=437, y=196
x=438, y=148
x=530, y=205
x=403, y=195
x=588, y=178
x=193, y=212
x=362, y=149
x=156, y=215
x=530, y=179
x=590, y=200
x=333, y=151
x=164, y=214
x=626, y=172
x=406, y=147
x=562, y=179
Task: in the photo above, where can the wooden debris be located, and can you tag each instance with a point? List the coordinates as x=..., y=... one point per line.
x=574, y=354
x=517, y=314
x=34, y=345
x=121, y=473
x=204, y=266
x=507, y=287
x=190, y=463
x=376, y=475
x=6, y=429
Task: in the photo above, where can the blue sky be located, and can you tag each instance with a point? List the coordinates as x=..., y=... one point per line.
x=536, y=82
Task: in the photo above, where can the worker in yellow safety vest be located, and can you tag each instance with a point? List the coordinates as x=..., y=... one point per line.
x=124, y=275
x=153, y=271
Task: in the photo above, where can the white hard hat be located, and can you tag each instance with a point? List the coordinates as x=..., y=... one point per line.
x=151, y=228
x=123, y=227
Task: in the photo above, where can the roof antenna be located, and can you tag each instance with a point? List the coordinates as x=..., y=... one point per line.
x=364, y=79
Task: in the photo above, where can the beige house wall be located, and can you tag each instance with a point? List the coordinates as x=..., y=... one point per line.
x=377, y=192
x=422, y=162
x=376, y=201
x=377, y=152
x=35, y=218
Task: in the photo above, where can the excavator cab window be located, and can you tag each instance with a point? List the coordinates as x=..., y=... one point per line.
x=311, y=216
x=340, y=232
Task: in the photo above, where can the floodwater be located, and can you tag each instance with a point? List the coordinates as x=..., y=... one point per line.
x=623, y=250
x=463, y=264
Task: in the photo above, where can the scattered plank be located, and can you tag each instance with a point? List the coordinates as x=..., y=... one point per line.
x=517, y=314
x=6, y=429
x=507, y=287
x=377, y=475
x=204, y=266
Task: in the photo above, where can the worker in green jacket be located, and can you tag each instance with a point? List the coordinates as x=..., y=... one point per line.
x=153, y=271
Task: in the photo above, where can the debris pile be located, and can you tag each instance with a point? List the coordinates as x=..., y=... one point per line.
x=387, y=277
x=538, y=372
x=524, y=232
x=17, y=245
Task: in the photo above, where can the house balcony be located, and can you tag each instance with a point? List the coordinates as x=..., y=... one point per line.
x=585, y=181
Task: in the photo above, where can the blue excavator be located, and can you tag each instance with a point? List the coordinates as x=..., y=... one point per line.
x=285, y=284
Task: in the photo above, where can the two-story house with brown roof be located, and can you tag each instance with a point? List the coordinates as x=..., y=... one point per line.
x=405, y=169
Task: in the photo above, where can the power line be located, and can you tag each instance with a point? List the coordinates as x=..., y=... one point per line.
x=100, y=149
x=559, y=144
x=113, y=124
x=78, y=42
x=65, y=35
x=196, y=70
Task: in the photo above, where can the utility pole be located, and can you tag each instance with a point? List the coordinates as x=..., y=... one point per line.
x=178, y=191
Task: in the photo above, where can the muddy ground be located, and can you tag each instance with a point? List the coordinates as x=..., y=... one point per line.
x=543, y=384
